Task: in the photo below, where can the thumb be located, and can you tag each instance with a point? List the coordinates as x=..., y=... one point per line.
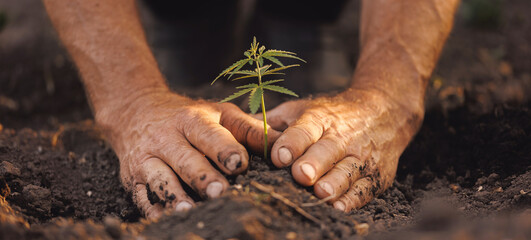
x=246, y=129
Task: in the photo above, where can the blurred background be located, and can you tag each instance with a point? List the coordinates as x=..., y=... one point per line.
x=487, y=59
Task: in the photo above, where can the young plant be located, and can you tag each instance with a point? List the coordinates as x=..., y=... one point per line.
x=256, y=56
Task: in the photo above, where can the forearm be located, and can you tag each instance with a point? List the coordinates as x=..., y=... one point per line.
x=107, y=43
x=401, y=41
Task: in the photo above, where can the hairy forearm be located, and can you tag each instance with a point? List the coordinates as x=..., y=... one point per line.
x=107, y=43
x=401, y=41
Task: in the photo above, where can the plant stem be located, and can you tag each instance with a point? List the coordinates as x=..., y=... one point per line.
x=263, y=105
x=265, y=127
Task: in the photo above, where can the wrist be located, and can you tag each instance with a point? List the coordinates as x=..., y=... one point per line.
x=381, y=100
x=118, y=110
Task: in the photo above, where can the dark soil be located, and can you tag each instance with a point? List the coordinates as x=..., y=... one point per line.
x=459, y=167
x=466, y=175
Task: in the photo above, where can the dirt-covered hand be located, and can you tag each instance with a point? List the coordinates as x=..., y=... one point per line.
x=346, y=146
x=161, y=137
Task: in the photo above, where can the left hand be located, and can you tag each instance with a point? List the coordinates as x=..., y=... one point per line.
x=346, y=146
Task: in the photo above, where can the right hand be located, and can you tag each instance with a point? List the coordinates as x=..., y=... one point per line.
x=161, y=137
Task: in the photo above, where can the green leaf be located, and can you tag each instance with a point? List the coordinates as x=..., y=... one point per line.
x=275, y=51
x=280, y=53
x=252, y=85
x=236, y=94
x=261, y=50
x=274, y=60
x=237, y=69
x=255, y=99
x=247, y=53
x=280, y=90
x=260, y=61
x=275, y=70
x=227, y=70
x=245, y=72
x=242, y=77
x=272, y=81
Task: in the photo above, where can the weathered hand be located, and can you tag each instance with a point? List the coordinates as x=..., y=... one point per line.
x=161, y=137
x=346, y=146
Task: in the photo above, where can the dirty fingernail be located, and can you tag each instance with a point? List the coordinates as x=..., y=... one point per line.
x=308, y=170
x=183, y=206
x=233, y=162
x=339, y=205
x=284, y=155
x=327, y=188
x=214, y=189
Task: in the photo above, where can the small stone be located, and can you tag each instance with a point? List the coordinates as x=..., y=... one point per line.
x=362, y=229
x=455, y=188
x=523, y=192
x=480, y=188
x=498, y=190
x=39, y=149
x=200, y=225
x=89, y=193
x=291, y=235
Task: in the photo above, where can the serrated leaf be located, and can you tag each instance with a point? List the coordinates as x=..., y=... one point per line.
x=236, y=94
x=261, y=50
x=274, y=51
x=237, y=69
x=274, y=60
x=255, y=99
x=230, y=68
x=252, y=85
x=280, y=53
x=245, y=72
x=260, y=61
x=280, y=90
x=275, y=70
x=271, y=81
x=242, y=77
x=247, y=53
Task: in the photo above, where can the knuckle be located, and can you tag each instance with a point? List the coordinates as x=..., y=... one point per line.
x=304, y=132
x=351, y=200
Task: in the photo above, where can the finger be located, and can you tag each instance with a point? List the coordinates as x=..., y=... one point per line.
x=295, y=140
x=218, y=144
x=339, y=179
x=317, y=160
x=140, y=198
x=284, y=115
x=246, y=129
x=359, y=194
x=193, y=168
x=161, y=180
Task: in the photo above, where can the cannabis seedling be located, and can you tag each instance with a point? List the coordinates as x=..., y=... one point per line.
x=256, y=56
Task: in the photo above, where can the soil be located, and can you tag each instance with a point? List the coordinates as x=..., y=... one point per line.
x=466, y=175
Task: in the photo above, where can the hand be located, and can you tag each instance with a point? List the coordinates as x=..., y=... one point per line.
x=161, y=137
x=346, y=146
